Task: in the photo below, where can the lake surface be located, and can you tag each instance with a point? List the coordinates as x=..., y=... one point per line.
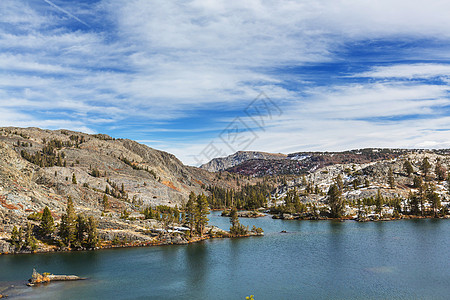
x=407, y=259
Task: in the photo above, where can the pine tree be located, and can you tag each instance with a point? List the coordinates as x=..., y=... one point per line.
x=236, y=227
x=234, y=219
x=202, y=212
x=379, y=202
x=339, y=182
x=67, y=228
x=448, y=183
x=360, y=209
x=414, y=203
x=434, y=199
x=391, y=179
x=190, y=213
x=421, y=195
x=417, y=182
x=47, y=225
x=74, y=179
x=30, y=240
x=16, y=237
x=425, y=167
x=408, y=168
x=105, y=202
x=335, y=201
x=441, y=171
x=81, y=226
x=92, y=236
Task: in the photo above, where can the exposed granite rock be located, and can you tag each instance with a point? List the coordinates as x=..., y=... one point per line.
x=244, y=214
x=6, y=247
x=37, y=278
x=139, y=176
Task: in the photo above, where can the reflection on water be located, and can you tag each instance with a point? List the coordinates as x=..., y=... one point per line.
x=197, y=265
x=314, y=259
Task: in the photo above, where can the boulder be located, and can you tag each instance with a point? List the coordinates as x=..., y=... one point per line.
x=6, y=247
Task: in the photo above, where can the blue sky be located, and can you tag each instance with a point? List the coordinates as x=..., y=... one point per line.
x=175, y=74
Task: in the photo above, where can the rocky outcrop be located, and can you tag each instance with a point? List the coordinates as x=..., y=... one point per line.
x=244, y=214
x=37, y=278
x=6, y=247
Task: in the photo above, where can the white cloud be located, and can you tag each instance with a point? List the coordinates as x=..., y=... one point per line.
x=335, y=118
x=160, y=60
x=408, y=71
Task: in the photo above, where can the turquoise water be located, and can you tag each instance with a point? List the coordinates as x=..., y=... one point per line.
x=313, y=260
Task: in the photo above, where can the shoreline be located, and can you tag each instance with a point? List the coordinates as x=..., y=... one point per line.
x=367, y=219
x=225, y=234
x=132, y=245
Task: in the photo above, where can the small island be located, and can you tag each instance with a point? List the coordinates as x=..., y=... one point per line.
x=37, y=278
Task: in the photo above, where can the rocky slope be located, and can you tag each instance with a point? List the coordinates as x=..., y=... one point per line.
x=41, y=168
x=365, y=180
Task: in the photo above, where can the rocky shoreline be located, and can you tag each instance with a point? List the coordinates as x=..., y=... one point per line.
x=244, y=214
x=163, y=240
x=365, y=219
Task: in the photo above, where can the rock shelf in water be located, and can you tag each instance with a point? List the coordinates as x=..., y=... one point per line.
x=37, y=278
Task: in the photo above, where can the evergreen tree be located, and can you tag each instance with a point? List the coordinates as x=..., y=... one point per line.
x=391, y=179
x=379, y=202
x=148, y=213
x=92, y=236
x=67, y=228
x=47, y=225
x=408, y=167
x=425, y=167
x=74, y=179
x=314, y=211
x=30, y=240
x=441, y=171
x=16, y=237
x=360, y=209
x=418, y=182
x=335, y=201
x=236, y=227
x=81, y=227
x=105, y=202
x=234, y=219
x=434, y=199
x=448, y=183
x=176, y=214
x=421, y=194
x=339, y=182
x=190, y=213
x=413, y=200
x=202, y=212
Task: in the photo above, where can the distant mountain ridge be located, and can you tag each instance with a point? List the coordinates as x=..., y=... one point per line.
x=224, y=163
x=259, y=164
